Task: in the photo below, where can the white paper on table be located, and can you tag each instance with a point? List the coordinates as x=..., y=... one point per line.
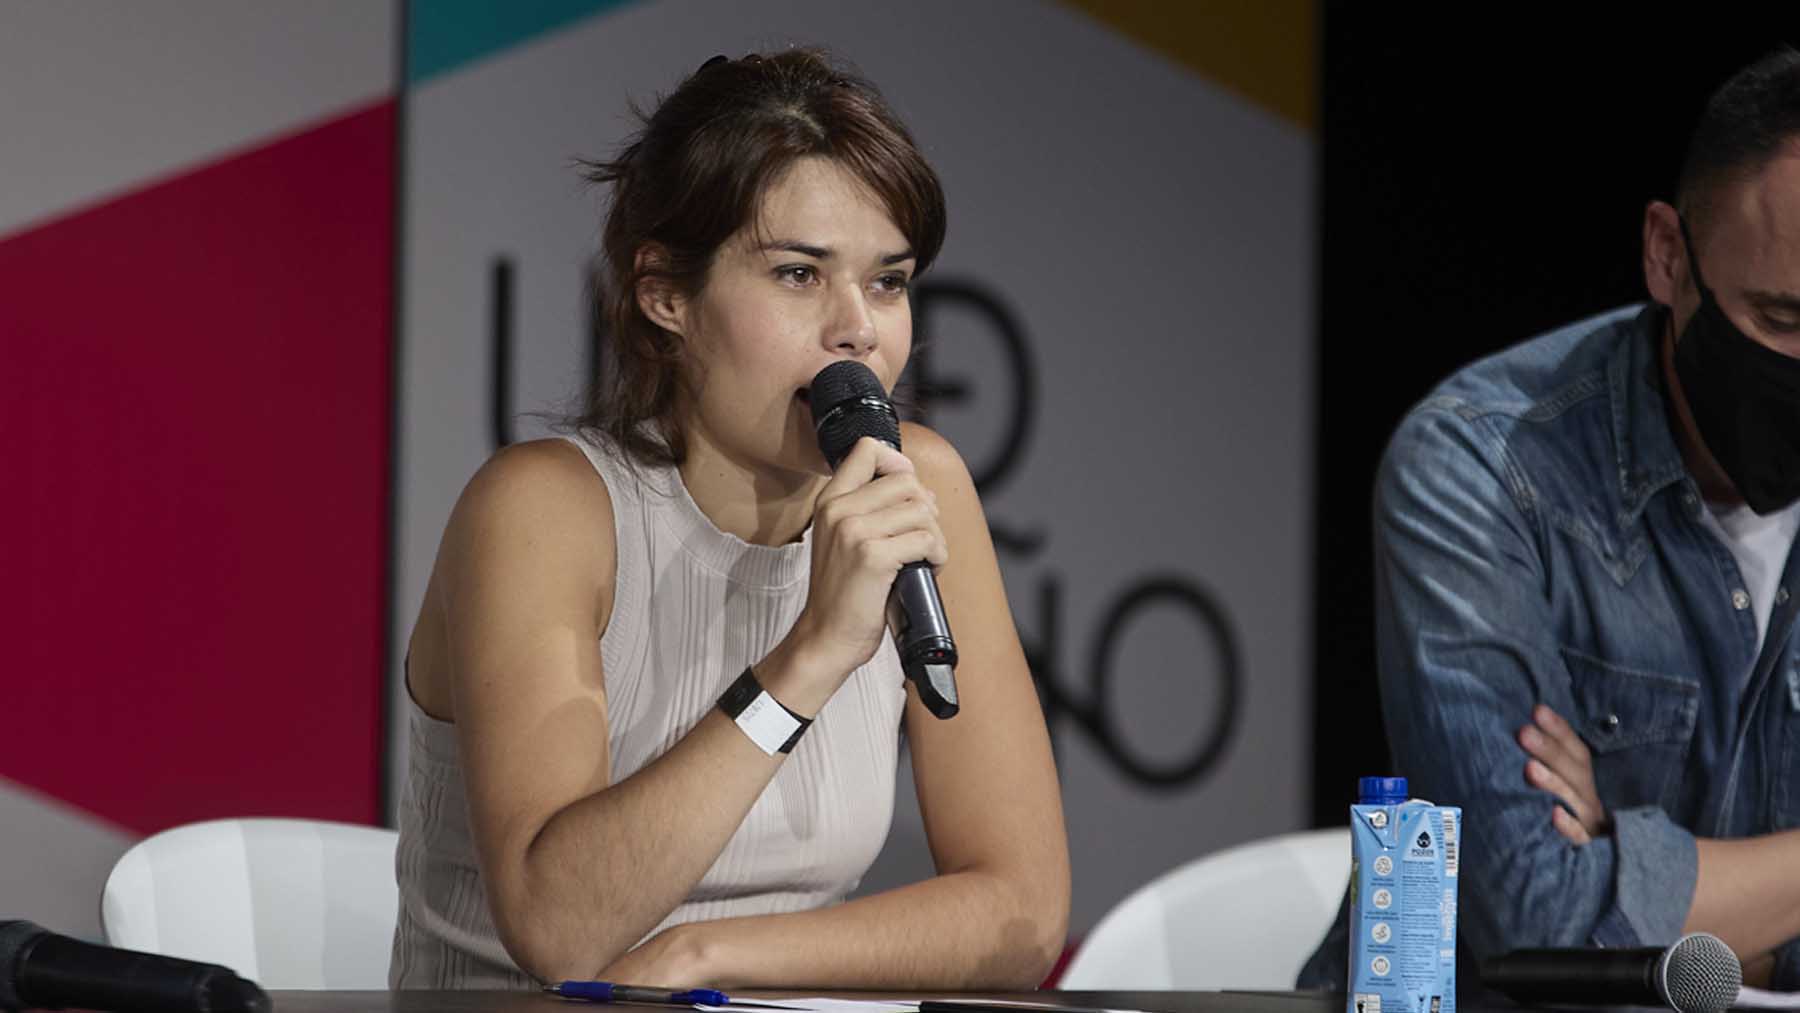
x=1762, y=998
x=823, y=1005
x=819, y=1005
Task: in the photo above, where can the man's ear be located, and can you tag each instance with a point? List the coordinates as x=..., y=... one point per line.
x=1665, y=258
x=659, y=299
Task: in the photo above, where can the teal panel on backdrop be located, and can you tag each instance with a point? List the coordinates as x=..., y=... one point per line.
x=442, y=35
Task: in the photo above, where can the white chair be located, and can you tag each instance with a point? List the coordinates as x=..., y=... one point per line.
x=1247, y=918
x=301, y=904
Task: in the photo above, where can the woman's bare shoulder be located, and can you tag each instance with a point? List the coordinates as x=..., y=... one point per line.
x=534, y=523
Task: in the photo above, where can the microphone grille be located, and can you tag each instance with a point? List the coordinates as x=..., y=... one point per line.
x=1700, y=974
x=848, y=403
x=841, y=381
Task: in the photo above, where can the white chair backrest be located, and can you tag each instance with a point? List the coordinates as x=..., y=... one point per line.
x=1248, y=918
x=292, y=904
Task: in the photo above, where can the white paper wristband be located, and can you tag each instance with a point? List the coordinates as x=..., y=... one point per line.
x=773, y=728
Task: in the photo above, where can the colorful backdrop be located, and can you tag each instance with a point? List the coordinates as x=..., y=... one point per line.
x=278, y=279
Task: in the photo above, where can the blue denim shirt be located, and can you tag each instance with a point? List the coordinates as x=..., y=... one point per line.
x=1538, y=539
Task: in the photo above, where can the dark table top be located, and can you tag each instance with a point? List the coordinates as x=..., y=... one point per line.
x=532, y=1002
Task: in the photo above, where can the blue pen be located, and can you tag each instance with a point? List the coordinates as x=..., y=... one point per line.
x=606, y=991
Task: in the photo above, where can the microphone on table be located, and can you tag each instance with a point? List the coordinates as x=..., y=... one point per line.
x=42, y=970
x=1698, y=974
x=848, y=403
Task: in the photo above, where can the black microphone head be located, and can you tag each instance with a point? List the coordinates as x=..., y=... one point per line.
x=849, y=403
x=1700, y=974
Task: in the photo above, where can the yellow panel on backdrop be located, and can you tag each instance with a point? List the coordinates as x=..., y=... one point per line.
x=1265, y=50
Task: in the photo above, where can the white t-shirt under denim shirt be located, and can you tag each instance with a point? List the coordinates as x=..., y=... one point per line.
x=1760, y=544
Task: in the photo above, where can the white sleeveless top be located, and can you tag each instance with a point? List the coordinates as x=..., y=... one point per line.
x=692, y=606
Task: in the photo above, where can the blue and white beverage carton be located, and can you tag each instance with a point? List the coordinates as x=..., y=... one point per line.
x=1403, y=857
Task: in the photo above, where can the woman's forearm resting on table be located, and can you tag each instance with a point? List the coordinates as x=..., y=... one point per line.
x=964, y=930
x=605, y=870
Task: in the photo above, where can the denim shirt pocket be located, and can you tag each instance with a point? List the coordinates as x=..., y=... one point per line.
x=1637, y=725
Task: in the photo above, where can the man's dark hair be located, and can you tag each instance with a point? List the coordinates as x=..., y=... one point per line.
x=1745, y=125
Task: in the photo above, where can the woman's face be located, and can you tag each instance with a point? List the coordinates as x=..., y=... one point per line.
x=822, y=275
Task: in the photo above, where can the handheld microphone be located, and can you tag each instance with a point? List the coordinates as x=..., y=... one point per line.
x=1698, y=974
x=848, y=403
x=42, y=970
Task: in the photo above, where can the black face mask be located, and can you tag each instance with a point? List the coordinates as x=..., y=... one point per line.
x=1746, y=400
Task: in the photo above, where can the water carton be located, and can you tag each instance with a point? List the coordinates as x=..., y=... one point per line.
x=1402, y=901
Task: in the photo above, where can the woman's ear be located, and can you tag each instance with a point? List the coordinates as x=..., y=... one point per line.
x=658, y=298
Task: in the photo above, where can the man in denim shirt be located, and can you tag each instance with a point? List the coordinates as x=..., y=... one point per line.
x=1586, y=586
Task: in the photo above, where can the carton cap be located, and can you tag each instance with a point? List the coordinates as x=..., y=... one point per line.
x=1380, y=790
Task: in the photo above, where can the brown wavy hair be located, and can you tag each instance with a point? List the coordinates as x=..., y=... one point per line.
x=694, y=174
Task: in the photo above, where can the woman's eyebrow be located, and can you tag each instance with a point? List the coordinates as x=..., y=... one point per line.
x=825, y=252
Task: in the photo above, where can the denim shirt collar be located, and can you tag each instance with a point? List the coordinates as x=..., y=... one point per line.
x=1643, y=439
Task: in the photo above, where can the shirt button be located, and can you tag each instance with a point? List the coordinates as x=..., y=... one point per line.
x=1781, y=596
x=1687, y=498
x=1611, y=723
x=1740, y=599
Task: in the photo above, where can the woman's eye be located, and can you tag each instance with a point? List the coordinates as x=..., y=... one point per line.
x=797, y=274
x=892, y=283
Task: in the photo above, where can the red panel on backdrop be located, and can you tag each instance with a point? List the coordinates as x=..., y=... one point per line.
x=196, y=382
